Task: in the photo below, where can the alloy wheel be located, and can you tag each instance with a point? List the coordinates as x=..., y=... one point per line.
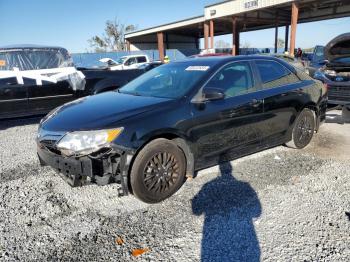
x=161, y=172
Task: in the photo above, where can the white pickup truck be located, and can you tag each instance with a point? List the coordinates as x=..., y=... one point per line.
x=126, y=62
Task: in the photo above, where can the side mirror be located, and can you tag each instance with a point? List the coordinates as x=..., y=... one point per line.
x=212, y=94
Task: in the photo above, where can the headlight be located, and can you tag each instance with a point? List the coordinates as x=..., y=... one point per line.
x=87, y=142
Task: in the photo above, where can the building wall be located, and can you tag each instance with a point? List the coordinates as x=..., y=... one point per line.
x=171, y=41
x=239, y=6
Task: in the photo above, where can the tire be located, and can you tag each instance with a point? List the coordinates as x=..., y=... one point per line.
x=303, y=130
x=150, y=178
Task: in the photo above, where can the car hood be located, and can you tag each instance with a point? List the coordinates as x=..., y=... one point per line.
x=99, y=111
x=338, y=47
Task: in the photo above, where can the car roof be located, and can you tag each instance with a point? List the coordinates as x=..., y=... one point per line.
x=29, y=46
x=224, y=59
x=134, y=55
x=217, y=61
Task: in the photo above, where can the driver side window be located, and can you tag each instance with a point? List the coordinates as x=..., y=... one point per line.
x=130, y=61
x=234, y=79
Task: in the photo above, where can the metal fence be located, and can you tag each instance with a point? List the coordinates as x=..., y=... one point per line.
x=90, y=60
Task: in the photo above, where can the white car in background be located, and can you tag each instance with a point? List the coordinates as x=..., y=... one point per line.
x=126, y=62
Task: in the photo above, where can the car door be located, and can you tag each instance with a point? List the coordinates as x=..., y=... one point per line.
x=130, y=63
x=282, y=94
x=13, y=98
x=140, y=61
x=233, y=122
x=45, y=97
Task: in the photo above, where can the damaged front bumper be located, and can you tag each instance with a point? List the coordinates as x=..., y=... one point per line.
x=110, y=166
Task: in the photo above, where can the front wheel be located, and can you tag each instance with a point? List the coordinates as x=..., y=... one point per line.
x=303, y=130
x=158, y=171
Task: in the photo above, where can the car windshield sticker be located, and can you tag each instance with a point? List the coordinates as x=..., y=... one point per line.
x=197, y=68
x=2, y=63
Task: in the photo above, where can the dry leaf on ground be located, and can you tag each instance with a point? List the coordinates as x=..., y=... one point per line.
x=139, y=252
x=119, y=241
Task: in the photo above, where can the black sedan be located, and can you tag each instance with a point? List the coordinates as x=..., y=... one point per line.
x=178, y=118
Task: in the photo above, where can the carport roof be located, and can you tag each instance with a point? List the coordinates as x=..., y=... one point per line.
x=266, y=14
x=189, y=23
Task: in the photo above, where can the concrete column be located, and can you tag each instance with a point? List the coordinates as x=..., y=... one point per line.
x=286, y=39
x=211, y=23
x=235, y=37
x=127, y=42
x=160, y=38
x=206, y=35
x=294, y=23
x=276, y=38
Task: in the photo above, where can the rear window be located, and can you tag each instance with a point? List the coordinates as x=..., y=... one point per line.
x=273, y=74
x=141, y=59
x=319, y=53
x=33, y=59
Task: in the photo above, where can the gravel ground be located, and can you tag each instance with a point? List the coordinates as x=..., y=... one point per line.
x=276, y=205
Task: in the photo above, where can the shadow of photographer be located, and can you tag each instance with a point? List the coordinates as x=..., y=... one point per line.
x=229, y=207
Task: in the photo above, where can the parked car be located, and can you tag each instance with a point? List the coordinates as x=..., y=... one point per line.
x=336, y=72
x=36, y=79
x=317, y=60
x=307, y=56
x=181, y=117
x=126, y=62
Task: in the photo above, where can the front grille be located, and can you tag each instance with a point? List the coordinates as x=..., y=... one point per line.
x=339, y=93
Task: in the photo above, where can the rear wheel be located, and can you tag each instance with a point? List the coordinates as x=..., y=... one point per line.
x=303, y=130
x=158, y=171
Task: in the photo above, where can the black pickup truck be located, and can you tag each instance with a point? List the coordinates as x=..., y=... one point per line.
x=100, y=80
x=36, y=79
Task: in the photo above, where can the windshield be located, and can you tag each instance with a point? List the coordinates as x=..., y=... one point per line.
x=33, y=59
x=319, y=53
x=168, y=81
x=121, y=60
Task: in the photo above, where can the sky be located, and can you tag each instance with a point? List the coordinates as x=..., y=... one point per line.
x=70, y=23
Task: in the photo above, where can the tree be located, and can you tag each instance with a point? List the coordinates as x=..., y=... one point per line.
x=280, y=43
x=222, y=44
x=245, y=45
x=113, y=37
